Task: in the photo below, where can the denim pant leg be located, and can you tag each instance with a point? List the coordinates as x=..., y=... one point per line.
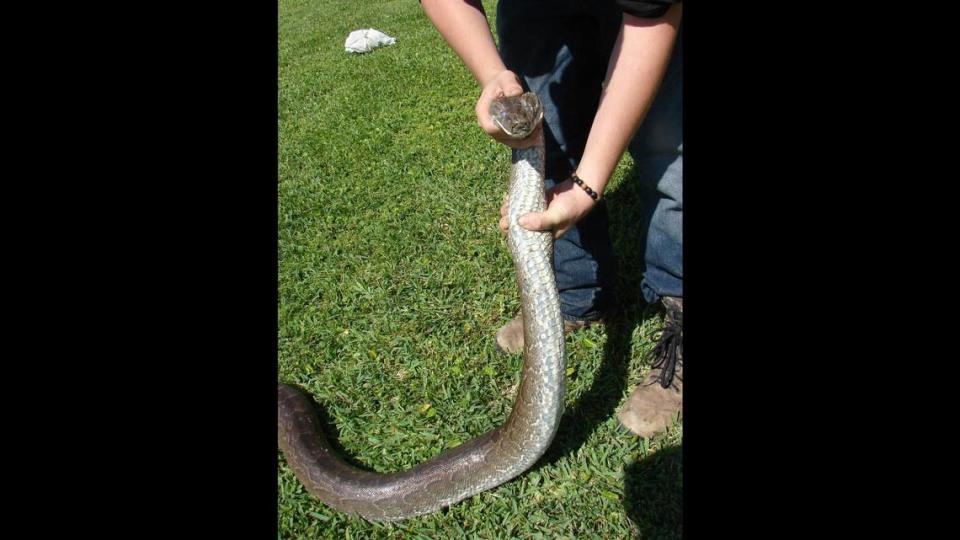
x=657, y=151
x=560, y=51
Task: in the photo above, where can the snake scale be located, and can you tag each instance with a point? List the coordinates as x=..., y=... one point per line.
x=499, y=455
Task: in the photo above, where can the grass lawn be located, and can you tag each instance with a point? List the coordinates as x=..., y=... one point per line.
x=393, y=278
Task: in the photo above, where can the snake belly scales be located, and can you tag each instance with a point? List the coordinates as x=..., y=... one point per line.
x=498, y=455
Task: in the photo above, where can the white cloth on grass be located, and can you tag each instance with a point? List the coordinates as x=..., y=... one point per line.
x=361, y=41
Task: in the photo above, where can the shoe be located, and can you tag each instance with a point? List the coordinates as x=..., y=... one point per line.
x=658, y=400
x=509, y=338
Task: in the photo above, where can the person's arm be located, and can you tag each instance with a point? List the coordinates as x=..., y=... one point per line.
x=463, y=24
x=637, y=65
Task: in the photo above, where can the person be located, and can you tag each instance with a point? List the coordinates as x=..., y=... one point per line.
x=609, y=75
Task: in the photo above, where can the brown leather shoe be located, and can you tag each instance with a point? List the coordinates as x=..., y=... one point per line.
x=659, y=399
x=509, y=338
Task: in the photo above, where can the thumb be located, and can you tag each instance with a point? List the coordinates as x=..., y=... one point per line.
x=538, y=221
x=512, y=89
x=511, y=86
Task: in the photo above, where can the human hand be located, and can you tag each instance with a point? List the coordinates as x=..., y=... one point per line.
x=566, y=205
x=507, y=84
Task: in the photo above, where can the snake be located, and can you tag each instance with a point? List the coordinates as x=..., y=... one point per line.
x=506, y=451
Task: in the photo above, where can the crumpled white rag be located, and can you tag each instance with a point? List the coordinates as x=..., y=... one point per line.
x=361, y=41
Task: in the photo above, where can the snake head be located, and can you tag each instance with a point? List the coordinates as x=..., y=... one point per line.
x=517, y=116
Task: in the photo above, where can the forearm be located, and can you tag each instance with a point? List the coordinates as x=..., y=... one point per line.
x=636, y=67
x=463, y=24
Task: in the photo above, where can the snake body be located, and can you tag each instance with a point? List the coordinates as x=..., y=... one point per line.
x=490, y=459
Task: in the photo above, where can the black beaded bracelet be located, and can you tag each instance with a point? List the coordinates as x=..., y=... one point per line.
x=576, y=180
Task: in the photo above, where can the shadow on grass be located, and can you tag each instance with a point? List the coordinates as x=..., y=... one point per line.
x=653, y=494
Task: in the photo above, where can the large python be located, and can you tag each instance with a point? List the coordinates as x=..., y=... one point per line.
x=499, y=455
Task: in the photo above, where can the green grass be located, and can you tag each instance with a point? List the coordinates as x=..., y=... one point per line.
x=394, y=277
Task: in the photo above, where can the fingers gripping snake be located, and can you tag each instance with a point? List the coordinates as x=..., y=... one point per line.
x=499, y=455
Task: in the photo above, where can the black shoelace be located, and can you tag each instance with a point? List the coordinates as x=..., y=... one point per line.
x=669, y=349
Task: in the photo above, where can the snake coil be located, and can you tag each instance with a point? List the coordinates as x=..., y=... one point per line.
x=499, y=455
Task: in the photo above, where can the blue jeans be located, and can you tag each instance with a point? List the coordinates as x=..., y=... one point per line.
x=560, y=50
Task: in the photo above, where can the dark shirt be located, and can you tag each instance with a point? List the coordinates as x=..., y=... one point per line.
x=650, y=9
